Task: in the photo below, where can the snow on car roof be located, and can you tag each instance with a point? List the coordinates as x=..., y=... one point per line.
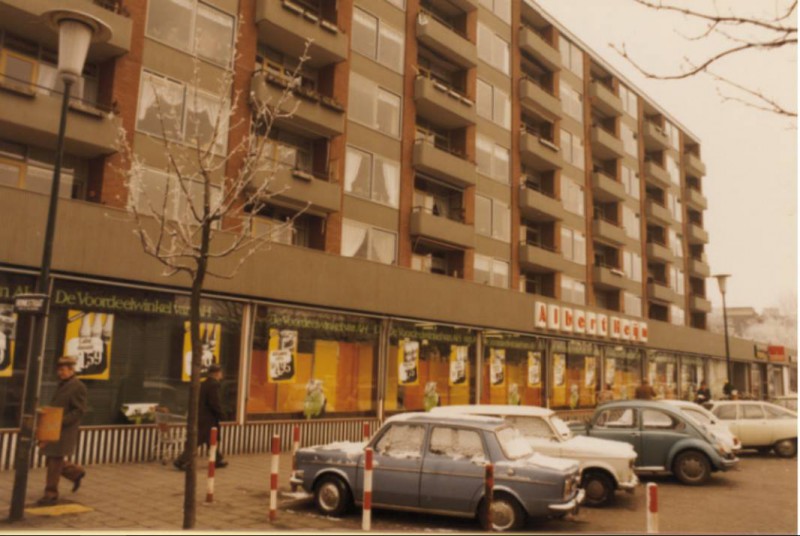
x=440, y=417
x=493, y=409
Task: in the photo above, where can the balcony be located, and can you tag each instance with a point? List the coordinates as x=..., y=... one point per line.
x=426, y=225
x=287, y=25
x=654, y=137
x=539, y=101
x=605, y=145
x=444, y=105
x=537, y=259
x=699, y=303
x=696, y=234
x=607, y=277
x=694, y=166
x=657, y=291
x=607, y=189
x=609, y=232
x=536, y=206
x=24, y=17
x=699, y=267
x=659, y=252
x=296, y=189
x=539, y=153
x=446, y=42
x=657, y=174
x=443, y=165
x=603, y=99
x=533, y=44
x=315, y=114
x=657, y=213
x=696, y=199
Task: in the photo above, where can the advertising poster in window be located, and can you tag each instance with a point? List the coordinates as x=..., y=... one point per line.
x=590, y=368
x=210, y=339
x=408, y=363
x=652, y=372
x=611, y=370
x=670, y=374
x=458, y=365
x=534, y=369
x=497, y=370
x=88, y=340
x=559, y=370
x=8, y=329
x=282, y=358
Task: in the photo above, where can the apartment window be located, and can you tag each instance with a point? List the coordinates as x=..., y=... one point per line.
x=673, y=170
x=501, y=8
x=628, y=137
x=399, y=4
x=377, y=40
x=573, y=245
x=492, y=159
x=31, y=168
x=572, y=101
x=632, y=265
x=491, y=271
x=571, y=57
x=149, y=188
x=675, y=207
x=672, y=133
x=630, y=102
x=572, y=290
x=492, y=218
x=193, y=27
x=493, y=104
x=572, y=196
x=676, y=315
x=675, y=243
x=572, y=149
x=372, y=177
x=630, y=180
x=373, y=106
x=631, y=223
x=367, y=242
x=632, y=303
x=493, y=49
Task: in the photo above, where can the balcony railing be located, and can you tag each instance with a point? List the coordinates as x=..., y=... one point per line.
x=444, y=85
x=440, y=142
x=284, y=81
x=525, y=182
x=423, y=11
x=311, y=14
x=539, y=244
x=27, y=88
x=453, y=214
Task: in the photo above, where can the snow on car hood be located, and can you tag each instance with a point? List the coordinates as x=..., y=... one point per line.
x=594, y=446
x=548, y=462
x=351, y=449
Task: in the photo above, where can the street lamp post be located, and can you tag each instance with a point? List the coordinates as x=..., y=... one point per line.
x=76, y=30
x=722, y=281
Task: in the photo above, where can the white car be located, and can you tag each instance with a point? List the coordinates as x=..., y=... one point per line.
x=759, y=425
x=702, y=416
x=605, y=465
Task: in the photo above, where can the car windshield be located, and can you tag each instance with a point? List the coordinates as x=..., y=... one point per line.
x=698, y=416
x=561, y=427
x=514, y=445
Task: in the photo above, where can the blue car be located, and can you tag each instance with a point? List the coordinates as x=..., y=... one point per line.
x=436, y=464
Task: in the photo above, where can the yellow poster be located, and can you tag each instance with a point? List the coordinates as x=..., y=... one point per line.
x=497, y=367
x=408, y=363
x=559, y=395
x=8, y=329
x=534, y=369
x=210, y=335
x=88, y=340
x=590, y=367
x=282, y=356
x=459, y=372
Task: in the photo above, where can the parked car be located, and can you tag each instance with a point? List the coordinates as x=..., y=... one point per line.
x=720, y=429
x=435, y=463
x=666, y=440
x=786, y=401
x=759, y=425
x=605, y=465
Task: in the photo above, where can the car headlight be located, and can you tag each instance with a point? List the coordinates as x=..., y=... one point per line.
x=569, y=484
x=298, y=474
x=721, y=448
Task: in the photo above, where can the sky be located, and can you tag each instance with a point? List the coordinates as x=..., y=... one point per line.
x=750, y=155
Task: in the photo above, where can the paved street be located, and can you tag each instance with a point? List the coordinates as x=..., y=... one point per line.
x=761, y=497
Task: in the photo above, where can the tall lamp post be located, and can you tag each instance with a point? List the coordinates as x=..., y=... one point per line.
x=722, y=281
x=76, y=30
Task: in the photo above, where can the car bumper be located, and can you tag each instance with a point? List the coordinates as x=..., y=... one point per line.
x=726, y=464
x=630, y=485
x=295, y=481
x=569, y=506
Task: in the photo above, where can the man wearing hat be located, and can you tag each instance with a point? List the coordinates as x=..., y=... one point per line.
x=70, y=395
x=209, y=416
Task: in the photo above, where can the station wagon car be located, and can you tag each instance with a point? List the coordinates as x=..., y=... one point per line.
x=665, y=440
x=605, y=465
x=436, y=464
x=759, y=425
x=709, y=420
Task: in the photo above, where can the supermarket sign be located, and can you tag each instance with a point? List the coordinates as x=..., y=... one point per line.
x=573, y=320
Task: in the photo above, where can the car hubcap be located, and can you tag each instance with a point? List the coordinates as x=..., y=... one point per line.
x=595, y=490
x=785, y=448
x=502, y=515
x=329, y=496
x=692, y=468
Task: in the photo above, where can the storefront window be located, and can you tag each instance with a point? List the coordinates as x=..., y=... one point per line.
x=12, y=347
x=662, y=371
x=692, y=375
x=717, y=376
x=428, y=366
x=575, y=374
x=623, y=372
x=312, y=364
x=513, y=370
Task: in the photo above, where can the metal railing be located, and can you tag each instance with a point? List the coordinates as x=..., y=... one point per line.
x=423, y=10
x=539, y=244
x=30, y=89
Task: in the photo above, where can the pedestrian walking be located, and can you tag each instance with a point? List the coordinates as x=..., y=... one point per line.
x=209, y=416
x=71, y=395
x=645, y=391
x=703, y=394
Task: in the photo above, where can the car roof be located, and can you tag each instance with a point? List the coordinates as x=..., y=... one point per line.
x=636, y=403
x=493, y=409
x=475, y=421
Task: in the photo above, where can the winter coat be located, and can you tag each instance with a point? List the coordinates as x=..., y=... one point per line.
x=71, y=395
x=210, y=413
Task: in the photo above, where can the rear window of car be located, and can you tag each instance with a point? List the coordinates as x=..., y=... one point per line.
x=531, y=426
x=725, y=411
x=752, y=411
x=774, y=412
x=616, y=418
x=653, y=419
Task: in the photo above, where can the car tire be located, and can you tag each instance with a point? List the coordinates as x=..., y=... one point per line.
x=507, y=514
x=786, y=448
x=599, y=488
x=692, y=468
x=332, y=496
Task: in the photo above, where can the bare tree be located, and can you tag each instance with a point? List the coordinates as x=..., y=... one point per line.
x=739, y=33
x=204, y=213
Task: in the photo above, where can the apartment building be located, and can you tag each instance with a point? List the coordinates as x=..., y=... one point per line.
x=483, y=211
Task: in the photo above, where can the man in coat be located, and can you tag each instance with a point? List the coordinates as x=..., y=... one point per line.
x=209, y=416
x=71, y=395
x=645, y=391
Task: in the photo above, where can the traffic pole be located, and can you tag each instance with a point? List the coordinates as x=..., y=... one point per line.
x=295, y=444
x=489, y=494
x=652, y=508
x=366, y=520
x=212, y=465
x=365, y=431
x=273, y=478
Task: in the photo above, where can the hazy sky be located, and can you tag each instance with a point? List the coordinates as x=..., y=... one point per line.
x=750, y=155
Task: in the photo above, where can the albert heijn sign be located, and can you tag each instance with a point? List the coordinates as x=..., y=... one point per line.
x=573, y=320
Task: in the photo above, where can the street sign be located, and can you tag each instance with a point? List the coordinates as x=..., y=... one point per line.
x=30, y=303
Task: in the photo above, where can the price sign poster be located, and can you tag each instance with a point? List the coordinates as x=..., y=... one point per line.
x=408, y=363
x=611, y=370
x=210, y=340
x=88, y=340
x=497, y=367
x=458, y=365
x=534, y=369
x=8, y=329
x=590, y=365
x=282, y=362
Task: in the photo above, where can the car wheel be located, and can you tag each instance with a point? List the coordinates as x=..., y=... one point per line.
x=507, y=514
x=599, y=488
x=786, y=448
x=692, y=468
x=332, y=496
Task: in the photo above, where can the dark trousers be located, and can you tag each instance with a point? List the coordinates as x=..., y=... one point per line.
x=58, y=466
x=202, y=440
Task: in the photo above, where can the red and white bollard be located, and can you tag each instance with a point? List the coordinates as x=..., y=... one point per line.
x=295, y=443
x=652, y=508
x=273, y=477
x=212, y=465
x=365, y=432
x=488, y=494
x=366, y=520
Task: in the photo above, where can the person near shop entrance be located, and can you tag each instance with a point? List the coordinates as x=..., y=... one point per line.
x=645, y=391
x=209, y=416
x=703, y=394
x=71, y=395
